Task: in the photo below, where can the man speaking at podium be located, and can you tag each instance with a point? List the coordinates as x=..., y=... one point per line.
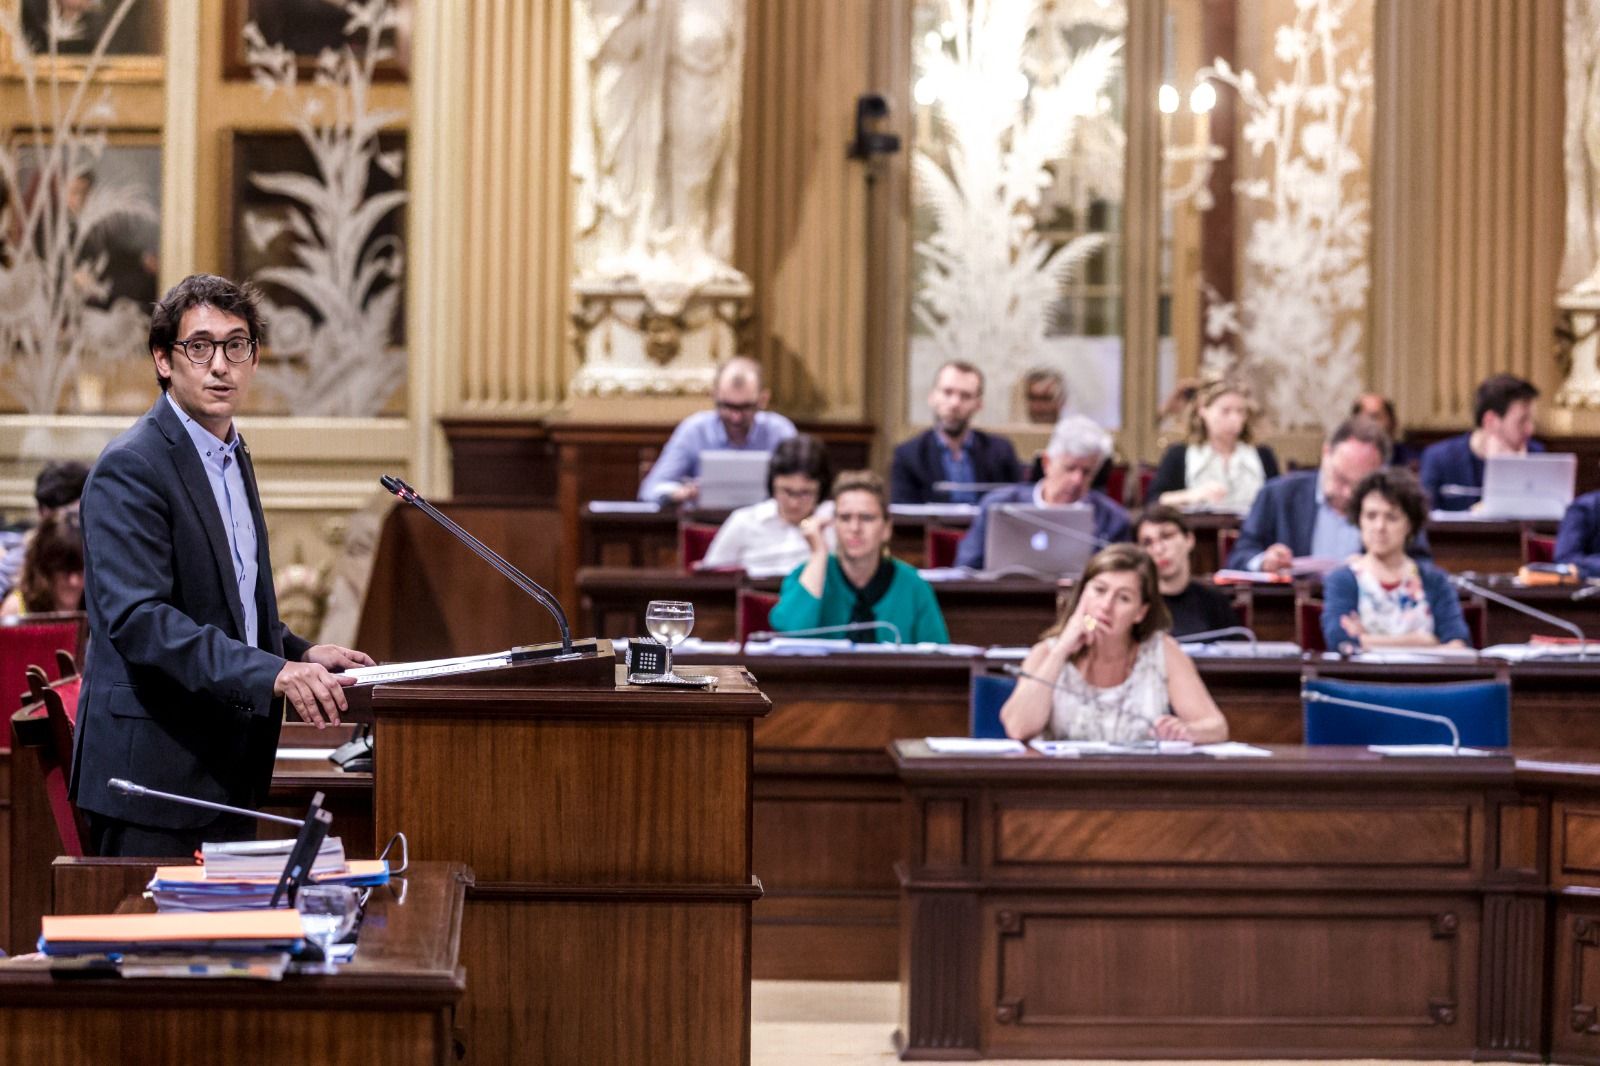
x=187, y=658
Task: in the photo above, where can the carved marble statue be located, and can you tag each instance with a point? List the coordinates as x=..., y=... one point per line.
x=1580, y=269
x=656, y=148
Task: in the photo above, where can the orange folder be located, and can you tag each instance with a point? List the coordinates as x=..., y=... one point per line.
x=172, y=927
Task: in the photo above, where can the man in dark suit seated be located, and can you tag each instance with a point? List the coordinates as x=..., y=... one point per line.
x=1503, y=414
x=1578, y=541
x=1303, y=513
x=1077, y=449
x=188, y=663
x=952, y=451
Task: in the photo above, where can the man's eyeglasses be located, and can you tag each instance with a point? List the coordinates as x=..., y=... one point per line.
x=738, y=408
x=200, y=350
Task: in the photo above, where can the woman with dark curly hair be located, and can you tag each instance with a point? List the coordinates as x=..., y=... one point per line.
x=1384, y=598
x=52, y=569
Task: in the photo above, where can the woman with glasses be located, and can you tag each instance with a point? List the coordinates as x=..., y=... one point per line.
x=765, y=538
x=858, y=584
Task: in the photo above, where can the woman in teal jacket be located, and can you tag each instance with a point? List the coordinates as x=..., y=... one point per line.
x=861, y=583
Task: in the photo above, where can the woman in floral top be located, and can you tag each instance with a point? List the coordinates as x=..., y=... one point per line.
x=1384, y=598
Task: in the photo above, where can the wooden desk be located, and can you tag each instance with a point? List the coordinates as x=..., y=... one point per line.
x=34, y=842
x=1487, y=547
x=393, y=1003
x=609, y=827
x=1322, y=903
x=981, y=611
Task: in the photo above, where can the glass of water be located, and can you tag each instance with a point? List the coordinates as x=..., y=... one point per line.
x=669, y=622
x=327, y=913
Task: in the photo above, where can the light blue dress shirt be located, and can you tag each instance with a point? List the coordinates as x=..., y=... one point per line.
x=221, y=462
x=958, y=468
x=1333, y=537
x=703, y=432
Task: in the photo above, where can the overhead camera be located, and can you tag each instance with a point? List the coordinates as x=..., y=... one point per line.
x=871, y=110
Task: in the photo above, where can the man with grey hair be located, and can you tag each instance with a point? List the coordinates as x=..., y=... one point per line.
x=739, y=421
x=1077, y=450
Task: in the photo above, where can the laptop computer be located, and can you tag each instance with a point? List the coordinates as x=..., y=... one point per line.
x=1053, y=541
x=1528, y=486
x=730, y=479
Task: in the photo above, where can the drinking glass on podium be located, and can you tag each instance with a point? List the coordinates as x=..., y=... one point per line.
x=669, y=622
x=327, y=913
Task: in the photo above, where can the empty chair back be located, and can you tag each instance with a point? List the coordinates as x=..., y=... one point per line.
x=694, y=540
x=31, y=640
x=1481, y=710
x=939, y=544
x=989, y=694
x=754, y=611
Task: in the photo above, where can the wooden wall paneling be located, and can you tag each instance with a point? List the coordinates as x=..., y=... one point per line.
x=1142, y=222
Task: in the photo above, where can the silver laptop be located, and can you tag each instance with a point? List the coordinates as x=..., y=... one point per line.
x=730, y=479
x=1053, y=541
x=1528, y=486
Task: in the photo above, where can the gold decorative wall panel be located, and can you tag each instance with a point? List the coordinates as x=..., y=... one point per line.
x=1468, y=199
x=802, y=220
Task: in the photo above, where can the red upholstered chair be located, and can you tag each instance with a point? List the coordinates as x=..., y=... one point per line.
x=939, y=544
x=46, y=723
x=1147, y=475
x=1537, y=548
x=1117, y=481
x=1308, y=622
x=753, y=611
x=1476, y=614
x=1227, y=540
x=31, y=639
x=694, y=540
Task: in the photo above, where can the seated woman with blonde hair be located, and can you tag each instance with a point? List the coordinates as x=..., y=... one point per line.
x=1109, y=670
x=1218, y=466
x=52, y=569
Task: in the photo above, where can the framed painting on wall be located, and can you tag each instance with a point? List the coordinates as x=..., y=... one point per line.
x=306, y=28
x=133, y=49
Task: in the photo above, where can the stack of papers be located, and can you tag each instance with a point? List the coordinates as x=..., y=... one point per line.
x=1243, y=649
x=265, y=859
x=623, y=507
x=191, y=888
x=974, y=746
x=233, y=932
x=1518, y=653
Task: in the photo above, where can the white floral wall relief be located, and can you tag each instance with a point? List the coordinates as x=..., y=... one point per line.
x=332, y=308
x=59, y=314
x=1022, y=128
x=1296, y=329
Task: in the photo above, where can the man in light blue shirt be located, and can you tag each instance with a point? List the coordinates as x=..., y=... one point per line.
x=738, y=422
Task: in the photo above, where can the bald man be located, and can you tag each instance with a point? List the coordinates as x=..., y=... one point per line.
x=738, y=421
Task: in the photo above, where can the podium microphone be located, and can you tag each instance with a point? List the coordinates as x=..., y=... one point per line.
x=1313, y=696
x=1226, y=631
x=487, y=554
x=1476, y=589
x=119, y=784
x=818, y=631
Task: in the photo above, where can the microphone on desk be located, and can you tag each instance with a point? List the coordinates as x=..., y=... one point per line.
x=487, y=554
x=126, y=787
x=818, y=631
x=1463, y=582
x=1588, y=592
x=1226, y=631
x=1312, y=696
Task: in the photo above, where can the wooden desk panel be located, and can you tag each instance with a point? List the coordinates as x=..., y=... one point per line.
x=393, y=1003
x=1326, y=902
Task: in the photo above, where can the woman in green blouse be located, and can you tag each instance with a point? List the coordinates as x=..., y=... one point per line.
x=861, y=583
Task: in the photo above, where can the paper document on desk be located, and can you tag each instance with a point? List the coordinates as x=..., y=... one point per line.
x=1243, y=649
x=1233, y=749
x=1072, y=749
x=1415, y=655
x=384, y=673
x=1423, y=749
x=1519, y=653
x=623, y=507
x=933, y=510
x=974, y=746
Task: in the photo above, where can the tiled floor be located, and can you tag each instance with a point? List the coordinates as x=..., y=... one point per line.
x=820, y=1023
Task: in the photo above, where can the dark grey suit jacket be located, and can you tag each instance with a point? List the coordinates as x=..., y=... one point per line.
x=172, y=698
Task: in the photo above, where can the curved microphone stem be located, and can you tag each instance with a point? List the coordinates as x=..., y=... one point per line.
x=1226, y=631
x=487, y=554
x=1532, y=612
x=818, y=631
x=1312, y=696
x=127, y=787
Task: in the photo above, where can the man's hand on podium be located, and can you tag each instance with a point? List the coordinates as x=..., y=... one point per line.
x=311, y=686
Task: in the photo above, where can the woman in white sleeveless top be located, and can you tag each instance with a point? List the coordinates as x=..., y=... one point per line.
x=1118, y=674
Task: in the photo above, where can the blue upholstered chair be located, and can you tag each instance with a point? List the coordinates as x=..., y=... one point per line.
x=1481, y=710
x=989, y=694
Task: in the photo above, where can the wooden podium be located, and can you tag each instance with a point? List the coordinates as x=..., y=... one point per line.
x=609, y=829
